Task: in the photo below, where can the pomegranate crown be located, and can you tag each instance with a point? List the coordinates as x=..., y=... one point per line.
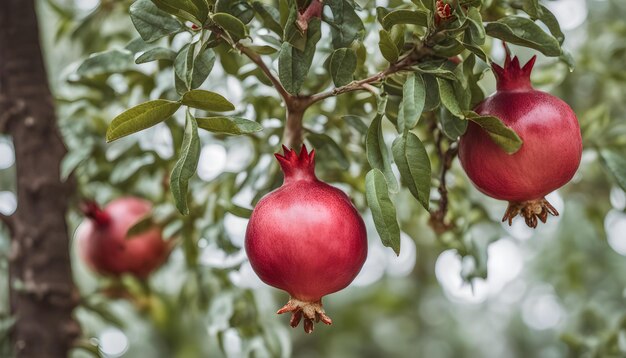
x=297, y=167
x=512, y=76
x=91, y=210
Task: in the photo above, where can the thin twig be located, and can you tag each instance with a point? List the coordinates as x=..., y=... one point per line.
x=254, y=57
x=446, y=158
x=403, y=64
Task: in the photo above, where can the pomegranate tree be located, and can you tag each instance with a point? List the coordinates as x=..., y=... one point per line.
x=306, y=238
x=103, y=243
x=548, y=157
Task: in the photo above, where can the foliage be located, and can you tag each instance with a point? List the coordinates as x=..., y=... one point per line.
x=387, y=92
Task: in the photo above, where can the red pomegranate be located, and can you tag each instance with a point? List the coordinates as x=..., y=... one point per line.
x=103, y=245
x=550, y=153
x=306, y=238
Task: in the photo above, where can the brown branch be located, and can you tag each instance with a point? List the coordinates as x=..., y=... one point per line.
x=254, y=57
x=409, y=60
x=438, y=217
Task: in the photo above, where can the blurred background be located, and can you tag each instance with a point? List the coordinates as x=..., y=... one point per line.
x=496, y=291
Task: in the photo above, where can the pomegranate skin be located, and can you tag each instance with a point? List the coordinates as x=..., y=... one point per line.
x=550, y=153
x=103, y=245
x=306, y=238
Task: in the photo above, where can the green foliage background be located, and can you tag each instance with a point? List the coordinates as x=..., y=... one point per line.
x=557, y=291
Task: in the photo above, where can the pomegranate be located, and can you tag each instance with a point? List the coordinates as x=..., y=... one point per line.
x=306, y=238
x=103, y=245
x=548, y=157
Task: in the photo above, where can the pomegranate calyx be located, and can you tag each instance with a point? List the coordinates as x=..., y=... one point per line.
x=312, y=312
x=530, y=210
x=91, y=210
x=512, y=76
x=296, y=167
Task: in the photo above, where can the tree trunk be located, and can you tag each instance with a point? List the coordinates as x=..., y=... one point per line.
x=43, y=294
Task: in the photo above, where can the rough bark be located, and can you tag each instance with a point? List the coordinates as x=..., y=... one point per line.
x=43, y=294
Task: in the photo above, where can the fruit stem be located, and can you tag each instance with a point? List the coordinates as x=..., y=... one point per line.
x=91, y=210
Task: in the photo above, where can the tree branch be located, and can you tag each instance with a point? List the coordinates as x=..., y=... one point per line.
x=254, y=57
x=437, y=218
x=411, y=59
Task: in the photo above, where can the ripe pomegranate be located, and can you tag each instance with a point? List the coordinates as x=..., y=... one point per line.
x=550, y=153
x=306, y=238
x=103, y=245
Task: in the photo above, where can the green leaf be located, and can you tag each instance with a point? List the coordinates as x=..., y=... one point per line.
x=113, y=61
x=615, y=162
x=293, y=64
x=144, y=224
x=524, y=32
x=263, y=50
x=328, y=149
x=127, y=167
x=552, y=24
x=448, y=98
x=207, y=100
x=235, y=209
x=377, y=152
x=453, y=127
x=356, y=122
x=500, y=133
x=240, y=9
x=195, y=11
x=383, y=210
x=532, y=8
x=409, y=17
x=186, y=165
x=413, y=100
x=202, y=66
x=270, y=16
x=342, y=64
x=229, y=125
x=476, y=28
x=183, y=68
x=235, y=28
x=157, y=53
x=346, y=26
x=140, y=117
x=388, y=47
x=432, y=93
x=151, y=22
x=414, y=166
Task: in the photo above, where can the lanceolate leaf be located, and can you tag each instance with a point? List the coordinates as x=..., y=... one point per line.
x=157, y=53
x=186, y=165
x=235, y=28
x=383, y=210
x=293, y=64
x=552, y=24
x=202, y=66
x=270, y=16
x=448, y=98
x=502, y=135
x=328, y=149
x=377, y=152
x=388, y=47
x=151, y=22
x=195, y=11
x=413, y=100
x=229, y=125
x=452, y=126
x=342, y=65
x=409, y=17
x=524, y=32
x=140, y=117
x=615, y=162
x=412, y=161
x=207, y=100
x=113, y=61
x=347, y=25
